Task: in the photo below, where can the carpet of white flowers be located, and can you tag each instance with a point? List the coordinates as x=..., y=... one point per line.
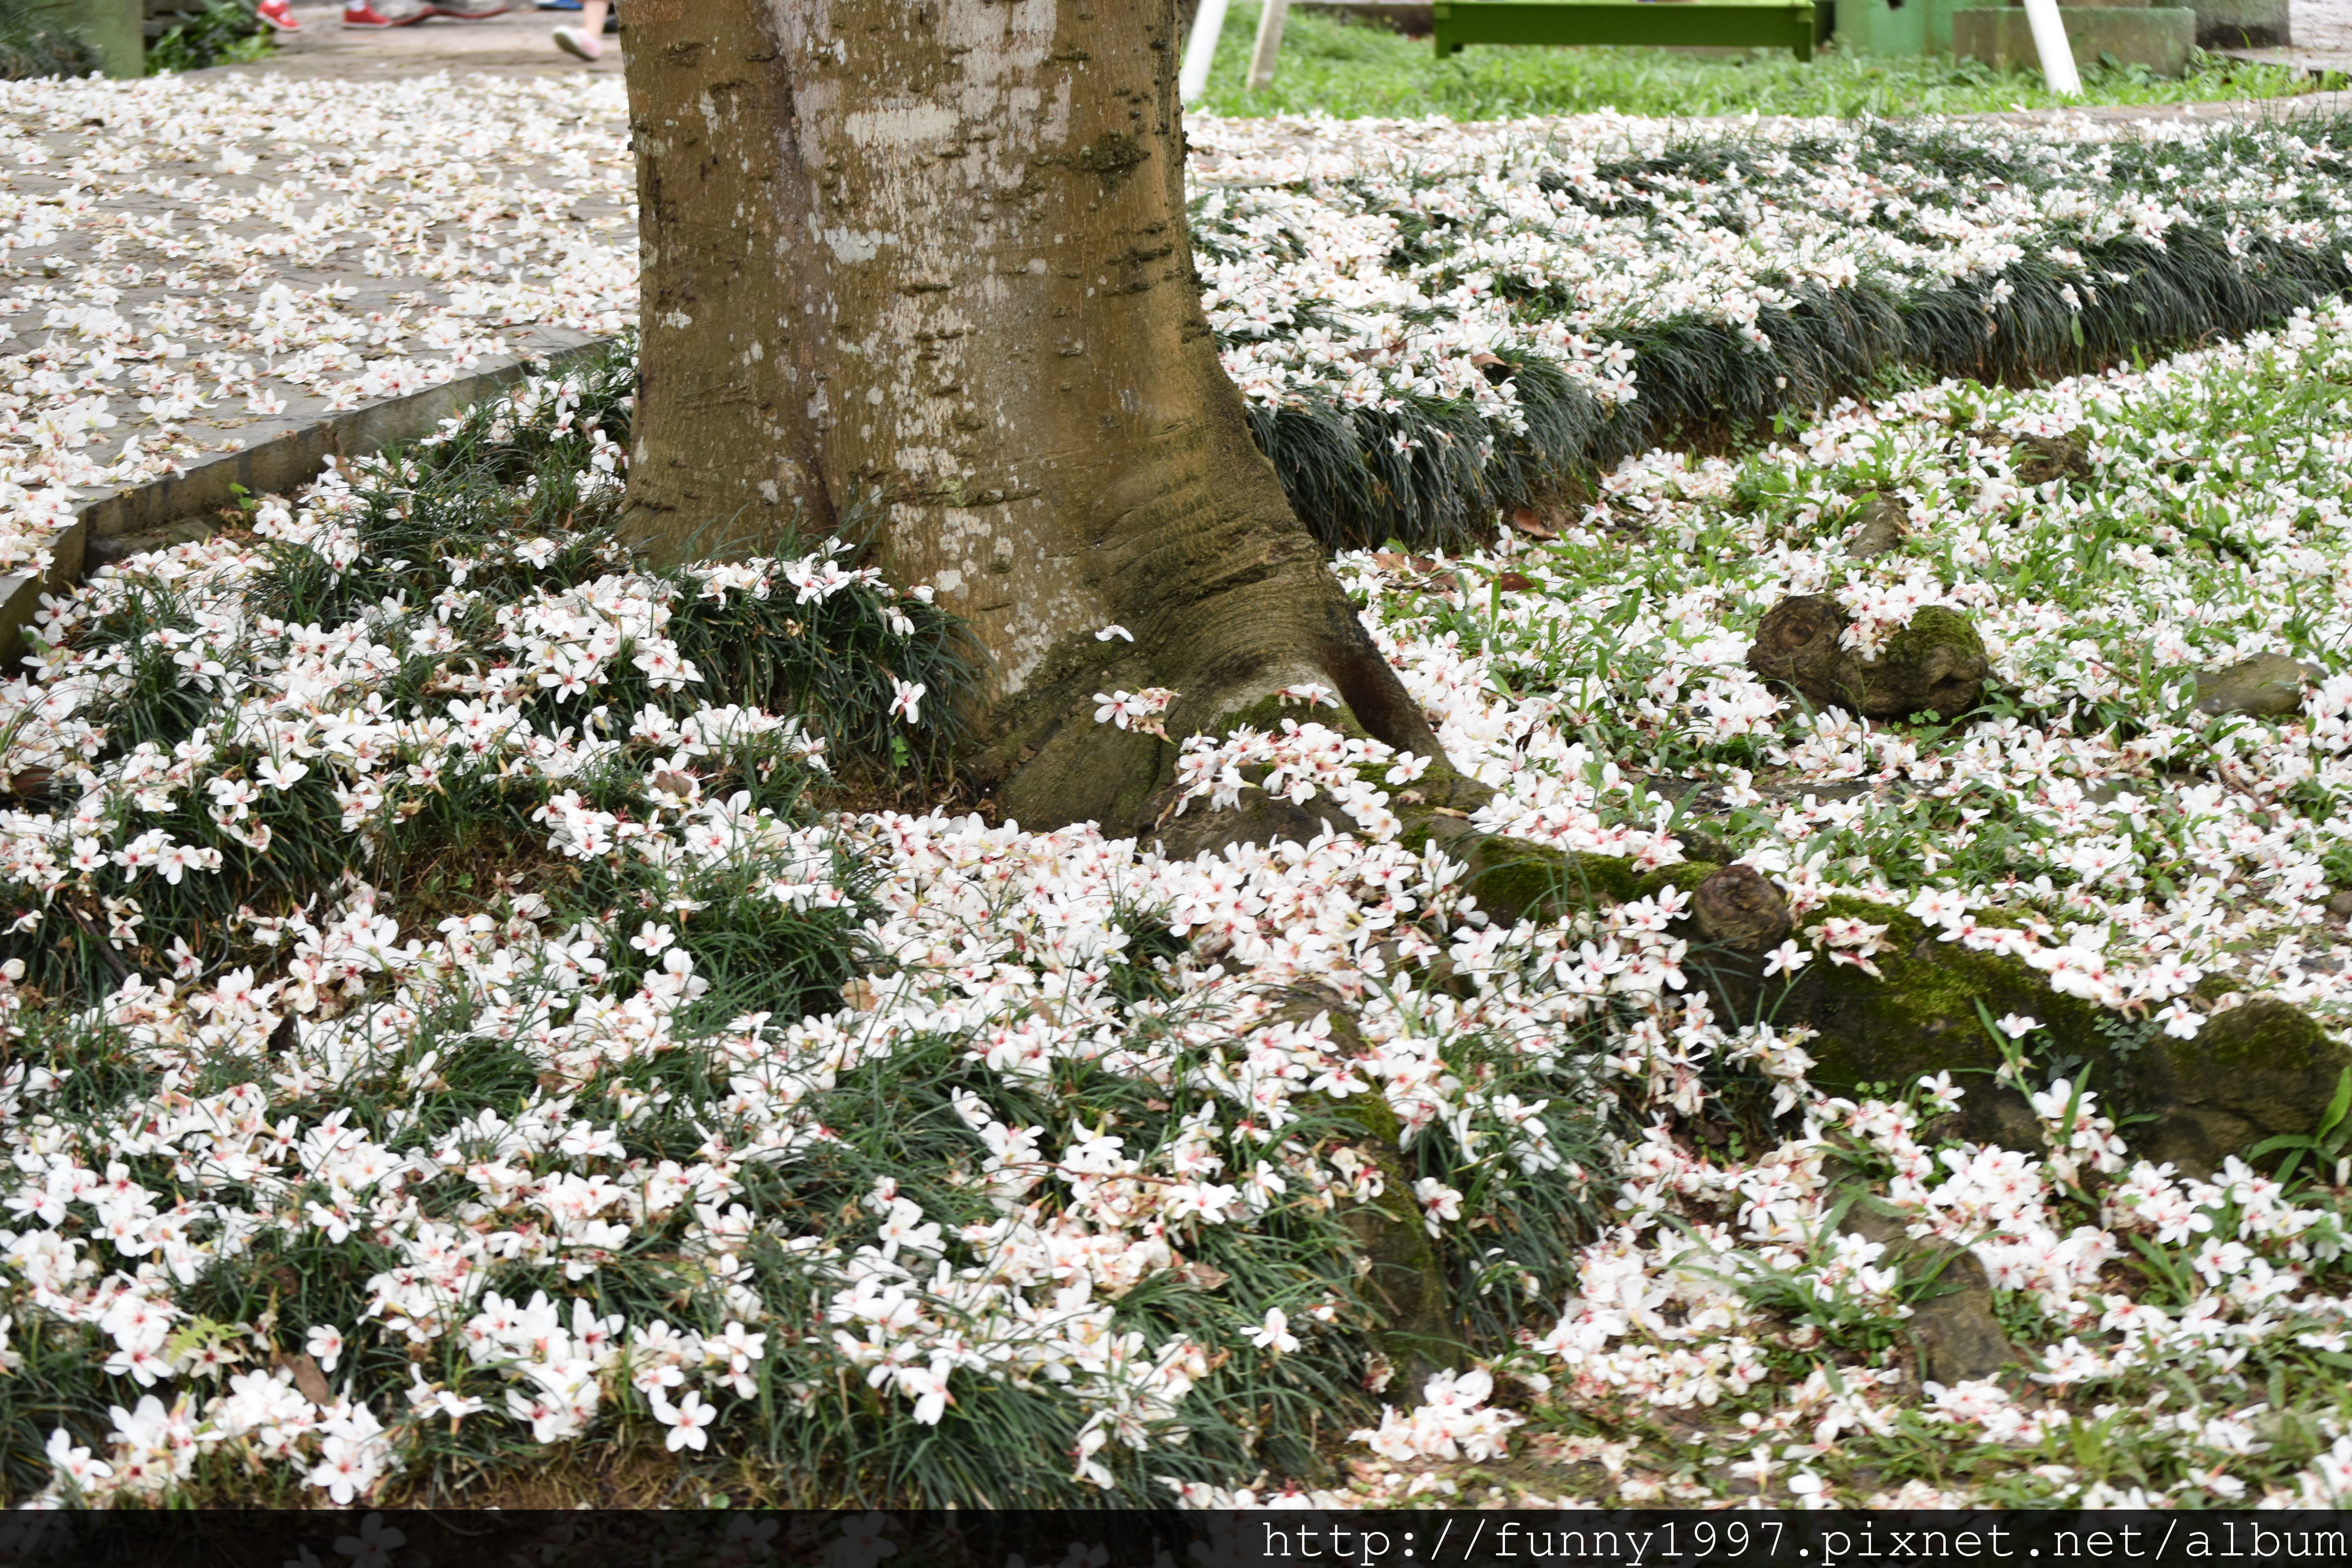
x=445, y=1024
x=1447, y=313
x=1371, y=261
x=2186, y=1337
x=914, y=1156
x=180, y=257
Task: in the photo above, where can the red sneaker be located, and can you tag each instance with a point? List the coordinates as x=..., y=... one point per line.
x=382, y=13
x=278, y=14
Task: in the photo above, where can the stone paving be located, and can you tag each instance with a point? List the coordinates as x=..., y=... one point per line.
x=517, y=43
x=222, y=278
x=2324, y=27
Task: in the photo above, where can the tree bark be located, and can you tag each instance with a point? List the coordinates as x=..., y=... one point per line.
x=921, y=269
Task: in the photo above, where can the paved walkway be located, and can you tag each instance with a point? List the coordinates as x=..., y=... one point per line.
x=2322, y=36
x=516, y=44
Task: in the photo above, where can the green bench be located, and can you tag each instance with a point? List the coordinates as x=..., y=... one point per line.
x=1727, y=24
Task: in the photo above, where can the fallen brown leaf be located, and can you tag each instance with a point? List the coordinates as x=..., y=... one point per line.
x=1201, y=1276
x=308, y=1380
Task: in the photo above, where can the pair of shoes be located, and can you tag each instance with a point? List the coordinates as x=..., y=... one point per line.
x=279, y=14
x=377, y=14
x=580, y=43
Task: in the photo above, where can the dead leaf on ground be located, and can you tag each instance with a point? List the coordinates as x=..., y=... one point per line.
x=1528, y=521
x=1201, y=1276
x=307, y=1379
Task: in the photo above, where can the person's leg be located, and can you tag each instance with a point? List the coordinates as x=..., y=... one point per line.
x=382, y=13
x=585, y=41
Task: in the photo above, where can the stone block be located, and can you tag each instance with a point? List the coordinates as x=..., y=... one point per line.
x=1410, y=17
x=2158, y=37
x=2244, y=24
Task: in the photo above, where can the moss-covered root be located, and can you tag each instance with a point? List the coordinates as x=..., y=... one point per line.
x=1403, y=1280
x=2252, y=1072
x=2259, y=1069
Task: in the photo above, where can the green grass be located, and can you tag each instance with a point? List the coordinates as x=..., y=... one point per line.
x=1347, y=68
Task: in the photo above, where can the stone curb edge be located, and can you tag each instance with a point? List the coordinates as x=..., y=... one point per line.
x=276, y=465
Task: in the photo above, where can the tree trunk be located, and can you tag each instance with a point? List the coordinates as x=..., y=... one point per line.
x=921, y=269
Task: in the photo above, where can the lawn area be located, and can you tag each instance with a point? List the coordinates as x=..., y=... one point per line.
x=1334, y=65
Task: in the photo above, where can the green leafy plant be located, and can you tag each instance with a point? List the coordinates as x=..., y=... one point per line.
x=2325, y=1143
x=226, y=32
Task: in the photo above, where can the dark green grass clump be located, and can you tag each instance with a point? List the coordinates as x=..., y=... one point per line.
x=1429, y=473
x=443, y=517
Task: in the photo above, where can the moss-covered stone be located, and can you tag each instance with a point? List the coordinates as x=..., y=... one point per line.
x=1921, y=1018
x=1954, y=1335
x=2259, y=1069
x=1683, y=876
x=1935, y=664
x=2267, y=686
x=1883, y=523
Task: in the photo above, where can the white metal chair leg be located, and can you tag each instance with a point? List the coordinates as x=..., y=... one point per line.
x=2050, y=43
x=1269, y=44
x=1201, y=50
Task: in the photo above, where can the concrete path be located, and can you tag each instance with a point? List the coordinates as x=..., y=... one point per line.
x=516, y=44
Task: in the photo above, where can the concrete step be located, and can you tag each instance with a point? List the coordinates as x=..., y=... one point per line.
x=2156, y=36
x=201, y=498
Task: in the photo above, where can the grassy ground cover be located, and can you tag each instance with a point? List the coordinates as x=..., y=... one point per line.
x=448, y=1025
x=1332, y=65
x=2112, y=537
x=457, y=1030
x=1432, y=322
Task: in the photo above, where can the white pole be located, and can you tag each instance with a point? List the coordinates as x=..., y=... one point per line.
x=2050, y=43
x=1202, y=50
x=1269, y=43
